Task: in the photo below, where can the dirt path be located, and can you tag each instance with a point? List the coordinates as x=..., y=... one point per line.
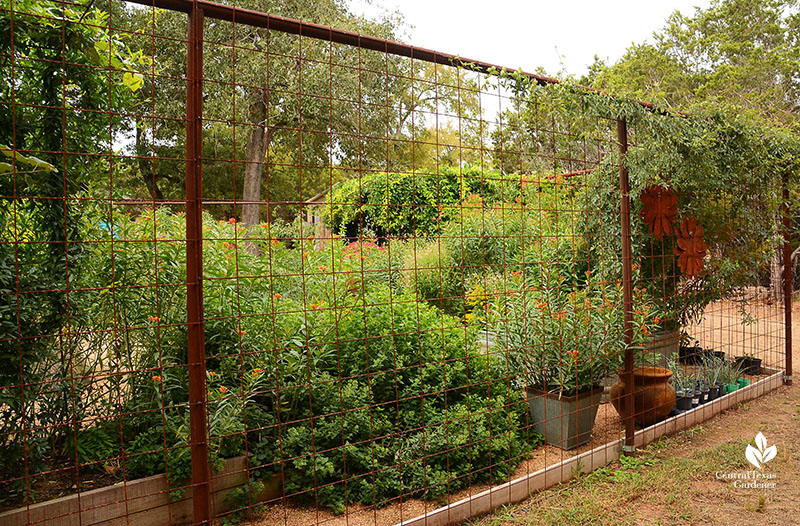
x=674, y=481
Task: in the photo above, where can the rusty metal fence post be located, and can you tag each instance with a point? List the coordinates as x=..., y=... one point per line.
x=627, y=287
x=194, y=270
x=787, y=277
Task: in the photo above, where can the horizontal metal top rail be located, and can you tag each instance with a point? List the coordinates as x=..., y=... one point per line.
x=318, y=31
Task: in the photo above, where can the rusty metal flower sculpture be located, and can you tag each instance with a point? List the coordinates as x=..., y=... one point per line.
x=660, y=210
x=691, y=249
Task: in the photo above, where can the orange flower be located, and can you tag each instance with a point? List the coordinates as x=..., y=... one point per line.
x=258, y=370
x=657, y=319
x=156, y=378
x=154, y=318
x=223, y=389
x=645, y=330
x=574, y=354
x=313, y=306
x=241, y=332
x=232, y=221
x=305, y=254
x=212, y=373
x=277, y=296
x=516, y=273
x=323, y=268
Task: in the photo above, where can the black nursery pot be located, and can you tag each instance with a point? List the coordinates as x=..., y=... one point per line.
x=706, y=396
x=754, y=367
x=751, y=366
x=713, y=392
x=696, y=394
x=683, y=402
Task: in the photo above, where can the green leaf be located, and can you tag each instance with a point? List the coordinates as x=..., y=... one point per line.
x=134, y=81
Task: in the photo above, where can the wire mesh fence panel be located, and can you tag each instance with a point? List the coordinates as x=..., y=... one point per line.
x=255, y=268
x=93, y=393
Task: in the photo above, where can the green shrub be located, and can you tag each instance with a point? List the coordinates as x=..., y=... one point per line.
x=410, y=204
x=434, y=277
x=318, y=364
x=421, y=411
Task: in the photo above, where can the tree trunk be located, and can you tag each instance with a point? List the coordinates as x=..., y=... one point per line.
x=257, y=144
x=776, y=275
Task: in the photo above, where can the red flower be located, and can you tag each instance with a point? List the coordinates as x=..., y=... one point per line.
x=232, y=221
x=154, y=319
x=277, y=296
x=223, y=389
x=323, y=268
x=156, y=378
x=241, y=332
x=314, y=306
x=516, y=273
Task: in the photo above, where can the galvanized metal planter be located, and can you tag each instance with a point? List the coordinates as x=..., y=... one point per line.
x=564, y=421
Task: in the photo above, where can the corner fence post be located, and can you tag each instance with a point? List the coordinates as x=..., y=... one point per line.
x=201, y=501
x=787, y=277
x=627, y=287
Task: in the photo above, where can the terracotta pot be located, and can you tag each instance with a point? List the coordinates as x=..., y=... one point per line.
x=653, y=396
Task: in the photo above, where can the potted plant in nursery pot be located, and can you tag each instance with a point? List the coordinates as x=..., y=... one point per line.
x=749, y=364
x=564, y=343
x=713, y=369
x=731, y=374
x=684, y=388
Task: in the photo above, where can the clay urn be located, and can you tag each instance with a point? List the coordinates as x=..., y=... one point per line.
x=653, y=396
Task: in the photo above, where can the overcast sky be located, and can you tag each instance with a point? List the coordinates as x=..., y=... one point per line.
x=554, y=34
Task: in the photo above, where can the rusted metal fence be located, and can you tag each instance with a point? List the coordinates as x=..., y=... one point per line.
x=393, y=286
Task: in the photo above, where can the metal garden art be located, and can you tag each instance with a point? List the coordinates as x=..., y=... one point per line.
x=660, y=210
x=690, y=249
